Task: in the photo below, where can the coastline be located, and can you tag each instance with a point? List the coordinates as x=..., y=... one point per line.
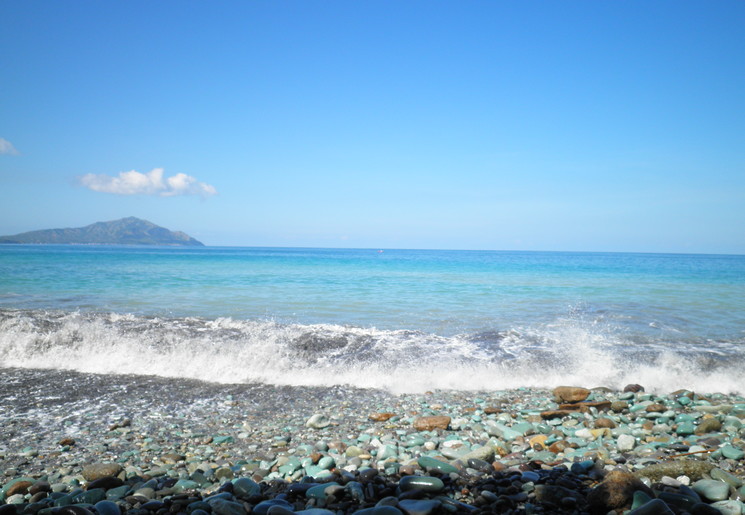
x=193, y=438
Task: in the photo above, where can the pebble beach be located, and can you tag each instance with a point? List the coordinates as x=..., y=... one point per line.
x=84, y=444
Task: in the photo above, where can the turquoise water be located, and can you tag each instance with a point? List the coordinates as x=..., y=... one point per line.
x=444, y=319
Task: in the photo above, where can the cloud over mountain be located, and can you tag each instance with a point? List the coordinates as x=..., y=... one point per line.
x=150, y=183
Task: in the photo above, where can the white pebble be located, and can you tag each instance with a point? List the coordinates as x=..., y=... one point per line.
x=667, y=480
x=584, y=433
x=626, y=442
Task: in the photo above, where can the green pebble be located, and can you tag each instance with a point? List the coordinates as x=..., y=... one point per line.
x=732, y=452
x=319, y=491
x=387, y=451
x=416, y=441
x=685, y=428
x=313, y=470
x=523, y=427
x=245, y=487
x=640, y=498
x=326, y=462
x=653, y=507
x=711, y=489
x=728, y=478
x=730, y=507
x=91, y=496
x=429, y=463
x=185, y=484
x=117, y=493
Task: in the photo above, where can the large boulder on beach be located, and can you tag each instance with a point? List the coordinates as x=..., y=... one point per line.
x=571, y=393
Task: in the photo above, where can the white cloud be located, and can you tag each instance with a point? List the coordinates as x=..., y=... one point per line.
x=6, y=147
x=151, y=183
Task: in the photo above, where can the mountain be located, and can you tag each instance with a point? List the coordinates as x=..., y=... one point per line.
x=127, y=231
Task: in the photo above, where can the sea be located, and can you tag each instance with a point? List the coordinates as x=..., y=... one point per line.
x=405, y=321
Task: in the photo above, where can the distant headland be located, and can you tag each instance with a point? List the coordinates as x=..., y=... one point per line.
x=126, y=231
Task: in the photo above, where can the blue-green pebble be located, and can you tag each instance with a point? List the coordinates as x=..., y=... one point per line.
x=424, y=483
x=430, y=463
x=711, y=489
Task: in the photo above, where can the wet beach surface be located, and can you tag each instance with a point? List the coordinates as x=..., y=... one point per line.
x=151, y=445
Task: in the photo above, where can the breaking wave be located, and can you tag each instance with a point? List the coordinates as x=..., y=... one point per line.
x=225, y=350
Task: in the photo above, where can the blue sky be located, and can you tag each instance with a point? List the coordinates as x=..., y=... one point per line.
x=607, y=126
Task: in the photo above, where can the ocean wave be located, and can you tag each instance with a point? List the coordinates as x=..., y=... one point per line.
x=569, y=350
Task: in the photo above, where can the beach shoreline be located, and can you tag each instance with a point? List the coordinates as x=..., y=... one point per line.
x=201, y=435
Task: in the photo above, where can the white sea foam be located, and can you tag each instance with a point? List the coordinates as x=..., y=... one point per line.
x=226, y=350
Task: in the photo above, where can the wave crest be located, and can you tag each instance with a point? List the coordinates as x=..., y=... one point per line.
x=226, y=350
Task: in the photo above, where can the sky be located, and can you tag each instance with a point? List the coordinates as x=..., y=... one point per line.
x=557, y=125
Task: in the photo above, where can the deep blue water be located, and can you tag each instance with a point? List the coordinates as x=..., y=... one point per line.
x=439, y=319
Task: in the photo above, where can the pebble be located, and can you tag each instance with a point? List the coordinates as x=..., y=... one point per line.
x=318, y=421
x=227, y=458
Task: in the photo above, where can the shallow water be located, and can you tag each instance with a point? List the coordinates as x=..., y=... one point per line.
x=405, y=321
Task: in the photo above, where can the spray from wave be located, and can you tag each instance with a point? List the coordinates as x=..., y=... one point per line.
x=224, y=350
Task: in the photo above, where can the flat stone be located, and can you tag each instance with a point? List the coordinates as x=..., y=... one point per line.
x=321, y=491
x=101, y=470
x=183, y=485
x=380, y=417
x=725, y=476
x=484, y=453
x=318, y=421
x=732, y=452
x=605, y=423
x=424, y=483
x=19, y=487
x=117, y=493
x=685, y=428
x=428, y=463
x=244, y=487
x=570, y=393
x=432, y=423
x=711, y=489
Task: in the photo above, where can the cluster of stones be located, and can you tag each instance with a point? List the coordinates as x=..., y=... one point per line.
x=572, y=451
